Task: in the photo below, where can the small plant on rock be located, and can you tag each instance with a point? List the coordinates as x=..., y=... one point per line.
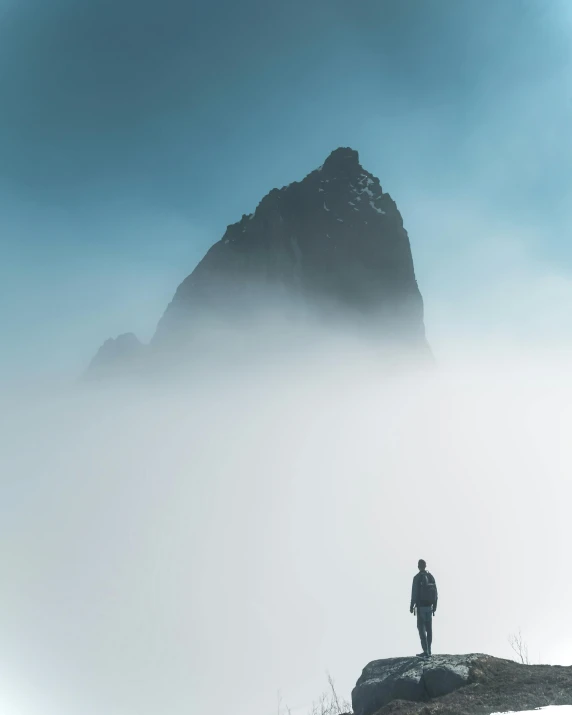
x=520, y=647
x=330, y=703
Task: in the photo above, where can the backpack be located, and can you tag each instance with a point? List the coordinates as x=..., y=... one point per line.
x=427, y=588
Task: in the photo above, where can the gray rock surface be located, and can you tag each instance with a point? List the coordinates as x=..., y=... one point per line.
x=459, y=685
x=415, y=679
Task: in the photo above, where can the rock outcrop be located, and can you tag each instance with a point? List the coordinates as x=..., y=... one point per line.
x=474, y=684
x=418, y=679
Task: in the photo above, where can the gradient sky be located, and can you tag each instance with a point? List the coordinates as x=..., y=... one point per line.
x=133, y=131
x=263, y=522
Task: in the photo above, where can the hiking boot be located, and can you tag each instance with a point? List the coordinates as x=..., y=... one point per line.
x=422, y=655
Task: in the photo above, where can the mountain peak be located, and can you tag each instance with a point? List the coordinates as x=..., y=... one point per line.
x=343, y=157
x=117, y=354
x=333, y=242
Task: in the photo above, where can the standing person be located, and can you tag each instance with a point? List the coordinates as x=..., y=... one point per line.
x=424, y=599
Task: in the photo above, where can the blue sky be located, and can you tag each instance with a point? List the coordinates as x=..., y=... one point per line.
x=132, y=132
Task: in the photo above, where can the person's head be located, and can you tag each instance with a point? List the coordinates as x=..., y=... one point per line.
x=421, y=565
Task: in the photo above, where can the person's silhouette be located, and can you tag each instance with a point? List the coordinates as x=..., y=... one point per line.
x=424, y=599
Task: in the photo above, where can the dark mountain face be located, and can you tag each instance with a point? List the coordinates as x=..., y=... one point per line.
x=334, y=241
x=331, y=246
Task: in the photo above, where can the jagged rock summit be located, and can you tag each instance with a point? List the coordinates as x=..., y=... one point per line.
x=332, y=245
x=474, y=684
x=334, y=240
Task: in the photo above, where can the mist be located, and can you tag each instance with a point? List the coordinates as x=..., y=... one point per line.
x=221, y=542
x=207, y=544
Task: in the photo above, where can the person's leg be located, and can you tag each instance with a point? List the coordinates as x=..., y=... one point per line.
x=421, y=628
x=429, y=630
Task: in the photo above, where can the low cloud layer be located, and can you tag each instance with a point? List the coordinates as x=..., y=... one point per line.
x=191, y=549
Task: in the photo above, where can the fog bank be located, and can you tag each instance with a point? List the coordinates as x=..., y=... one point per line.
x=183, y=549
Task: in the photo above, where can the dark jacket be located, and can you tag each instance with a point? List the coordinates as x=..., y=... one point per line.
x=415, y=600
